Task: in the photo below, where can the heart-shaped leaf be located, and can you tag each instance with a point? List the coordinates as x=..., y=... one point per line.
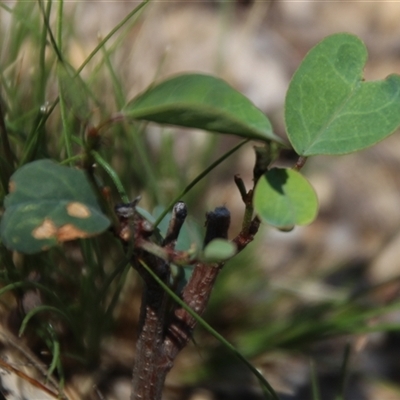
x=284, y=198
x=329, y=109
x=203, y=102
x=49, y=204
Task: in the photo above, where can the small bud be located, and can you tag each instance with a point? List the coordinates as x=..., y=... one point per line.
x=217, y=224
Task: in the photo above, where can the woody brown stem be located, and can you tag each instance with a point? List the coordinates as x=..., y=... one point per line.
x=164, y=332
x=149, y=369
x=151, y=364
x=196, y=295
x=198, y=290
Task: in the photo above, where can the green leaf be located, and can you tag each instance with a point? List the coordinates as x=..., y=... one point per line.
x=203, y=102
x=49, y=204
x=283, y=198
x=329, y=109
x=219, y=250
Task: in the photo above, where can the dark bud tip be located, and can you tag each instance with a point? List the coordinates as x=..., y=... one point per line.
x=180, y=210
x=217, y=224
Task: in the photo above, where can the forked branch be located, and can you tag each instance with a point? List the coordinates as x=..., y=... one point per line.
x=164, y=328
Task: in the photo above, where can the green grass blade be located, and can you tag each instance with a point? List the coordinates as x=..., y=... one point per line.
x=314, y=382
x=60, y=16
x=55, y=351
x=36, y=134
x=120, y=268
x=37, y=310
x=111, y=33
x=148, y=169
x=344, y=372
x=119, y=94
x=66, y=129
x=6, y=155
x=117, y=293
x=46, y=17
x=198, y=179
x=112, y=174
x=42, y=82
x=28, y=284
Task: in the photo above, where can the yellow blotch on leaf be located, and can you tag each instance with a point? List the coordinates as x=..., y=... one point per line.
x=78, y=210
x=70, y=232
x=46, y=230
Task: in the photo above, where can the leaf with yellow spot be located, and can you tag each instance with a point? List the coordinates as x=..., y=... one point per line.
x=49, y=204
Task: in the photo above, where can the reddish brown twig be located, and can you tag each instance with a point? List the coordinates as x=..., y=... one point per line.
x=149, y=368
x=164, y=331
x=198, y=290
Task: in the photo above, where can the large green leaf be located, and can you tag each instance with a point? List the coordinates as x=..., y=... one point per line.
x=329, y=109
x=284, y=198
x=48, y=204
x=203, y=102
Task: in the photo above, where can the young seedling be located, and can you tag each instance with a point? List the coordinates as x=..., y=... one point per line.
x=329, y=109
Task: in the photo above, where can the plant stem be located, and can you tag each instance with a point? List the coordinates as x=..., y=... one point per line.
x=149, y=369
x=300, y=163
x=164, y=332
x=154, y=353
x=151, y=365
x=193, y=303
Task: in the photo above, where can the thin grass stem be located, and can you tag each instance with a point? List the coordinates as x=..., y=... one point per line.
x=118, y=90
x=314, y=382
x=112, y=174
x=60, y=17
x=46, y=18
x=66, y=130
x=110, y=34
x=197, y=180
x=39, y=309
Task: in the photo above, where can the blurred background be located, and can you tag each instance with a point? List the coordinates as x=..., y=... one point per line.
x=293, y=302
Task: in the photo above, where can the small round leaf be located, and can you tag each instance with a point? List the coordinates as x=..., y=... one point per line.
x=219, y=250
x=283, y=198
